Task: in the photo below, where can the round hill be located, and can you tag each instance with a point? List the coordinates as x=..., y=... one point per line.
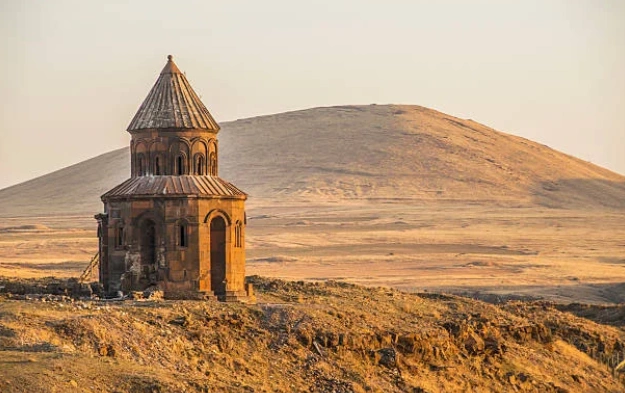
x=367, y=153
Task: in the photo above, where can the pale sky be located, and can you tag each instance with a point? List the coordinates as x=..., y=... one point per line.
x=73, y=73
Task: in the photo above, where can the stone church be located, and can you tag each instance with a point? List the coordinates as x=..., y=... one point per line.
x=174, y=225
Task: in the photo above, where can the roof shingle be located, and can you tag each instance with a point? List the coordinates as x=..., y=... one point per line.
x=176, y=185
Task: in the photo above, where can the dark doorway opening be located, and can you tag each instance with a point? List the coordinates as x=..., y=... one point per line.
x=218, y=255
x=148, y=252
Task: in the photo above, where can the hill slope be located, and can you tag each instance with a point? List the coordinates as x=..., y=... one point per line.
x=304, y=337
x=375, y=152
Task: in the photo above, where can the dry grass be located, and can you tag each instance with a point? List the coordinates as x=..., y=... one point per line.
x=335, y=337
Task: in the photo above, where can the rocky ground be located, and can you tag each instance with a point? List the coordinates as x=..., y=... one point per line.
x=316, y=337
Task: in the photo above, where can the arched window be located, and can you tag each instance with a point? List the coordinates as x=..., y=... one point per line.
x=238, y=234
x=157, y=166
x=140, y=165
x=199, y=164
x=183, y=240
x=213, y=165
x=180, y=165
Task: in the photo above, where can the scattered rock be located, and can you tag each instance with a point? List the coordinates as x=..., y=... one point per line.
x=386, y=357
x=180, y=321
x=474, y=344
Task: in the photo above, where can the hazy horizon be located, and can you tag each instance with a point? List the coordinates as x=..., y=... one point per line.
x=76, y=72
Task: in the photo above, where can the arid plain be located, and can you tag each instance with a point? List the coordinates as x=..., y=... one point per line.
x=399, y=196
x=390, y=197
x=557, y=255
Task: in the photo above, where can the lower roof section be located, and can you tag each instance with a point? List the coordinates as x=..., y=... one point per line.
x=186, y=185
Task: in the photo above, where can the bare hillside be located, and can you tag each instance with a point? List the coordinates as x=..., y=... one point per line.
x=303, y=337
x=376, y=152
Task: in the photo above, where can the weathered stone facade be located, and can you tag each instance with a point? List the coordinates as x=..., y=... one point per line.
x=174, y=225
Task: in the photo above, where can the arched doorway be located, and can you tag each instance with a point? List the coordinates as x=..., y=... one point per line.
x=148, y=252
x=218, y=255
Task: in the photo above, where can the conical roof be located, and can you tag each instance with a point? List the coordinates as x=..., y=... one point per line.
x=172, y=103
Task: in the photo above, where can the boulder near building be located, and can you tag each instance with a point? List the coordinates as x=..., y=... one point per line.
x=174, y=225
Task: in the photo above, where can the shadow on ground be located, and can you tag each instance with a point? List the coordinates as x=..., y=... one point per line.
x=77, y=266
x=567, y=193
x=605, y=293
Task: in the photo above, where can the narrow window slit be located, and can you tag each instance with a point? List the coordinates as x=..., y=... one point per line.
x=157, y=166
x=183, y=236
x=179, y=165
